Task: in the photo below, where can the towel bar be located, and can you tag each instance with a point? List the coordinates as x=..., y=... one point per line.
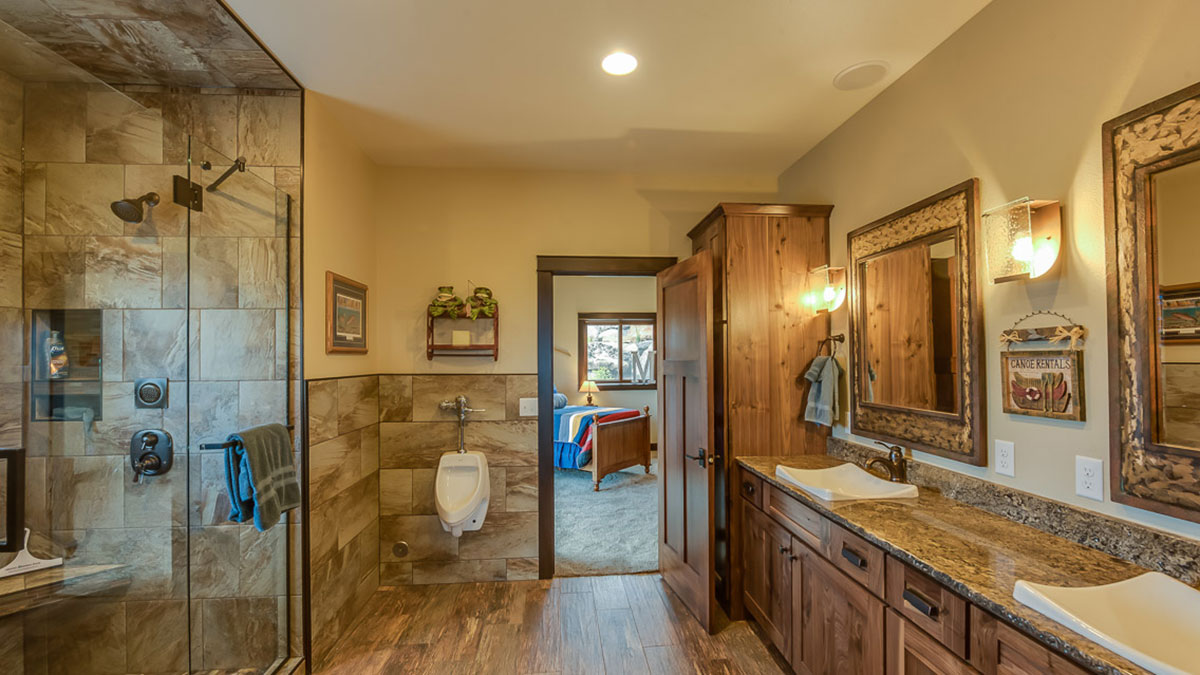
x=229, y=444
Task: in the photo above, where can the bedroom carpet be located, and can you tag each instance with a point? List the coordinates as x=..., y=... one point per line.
x=613, y=531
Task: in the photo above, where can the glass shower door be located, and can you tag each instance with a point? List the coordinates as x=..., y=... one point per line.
x=239, y=325
x=134, y=331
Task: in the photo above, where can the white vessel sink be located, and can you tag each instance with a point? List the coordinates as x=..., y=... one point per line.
x=845, y=481
x=1152, y=619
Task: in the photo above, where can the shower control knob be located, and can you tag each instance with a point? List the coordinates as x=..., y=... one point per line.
x=148, y=465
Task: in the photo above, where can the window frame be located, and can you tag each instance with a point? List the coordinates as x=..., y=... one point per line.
x=621, y=319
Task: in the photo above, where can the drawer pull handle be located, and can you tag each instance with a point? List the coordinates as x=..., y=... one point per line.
x=783, y=549
x=748, y=487
x=920, y=603
x=854, y=558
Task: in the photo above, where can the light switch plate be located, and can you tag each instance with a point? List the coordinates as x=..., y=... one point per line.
x=1089, y=477
x=528, y=407
x=1006, y=460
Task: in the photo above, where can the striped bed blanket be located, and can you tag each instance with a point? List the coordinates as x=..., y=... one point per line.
x=573, y=432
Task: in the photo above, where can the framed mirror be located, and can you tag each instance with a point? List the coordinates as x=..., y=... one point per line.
x=916, y=368
x=1152, y=221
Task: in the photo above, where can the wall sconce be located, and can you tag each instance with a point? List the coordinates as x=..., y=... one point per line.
x=826, y=289
x=1022, y=239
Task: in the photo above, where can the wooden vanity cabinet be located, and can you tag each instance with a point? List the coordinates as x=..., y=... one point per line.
x=833, y=602
x=767, y=575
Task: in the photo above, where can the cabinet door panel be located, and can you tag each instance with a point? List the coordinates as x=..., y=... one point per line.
x=911, y=651
x=998, y=649
x=767, y=575
x=842, y=622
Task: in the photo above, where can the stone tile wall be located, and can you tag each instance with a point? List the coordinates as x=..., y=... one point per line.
x=414, y=433
x=85, y=147
x=343, y=429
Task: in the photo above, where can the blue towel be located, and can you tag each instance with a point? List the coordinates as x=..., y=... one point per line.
x=822, y=405
x=261, y=476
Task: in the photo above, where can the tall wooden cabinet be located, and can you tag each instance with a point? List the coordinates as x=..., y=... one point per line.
x=764, y=341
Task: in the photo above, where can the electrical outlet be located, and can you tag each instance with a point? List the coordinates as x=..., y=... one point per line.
x=528, y=407
x=1089, y=477
x=1006, y=460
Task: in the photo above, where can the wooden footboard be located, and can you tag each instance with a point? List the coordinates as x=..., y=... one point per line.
x=620, y=445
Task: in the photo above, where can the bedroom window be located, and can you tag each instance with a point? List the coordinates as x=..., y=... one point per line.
x=617, y=351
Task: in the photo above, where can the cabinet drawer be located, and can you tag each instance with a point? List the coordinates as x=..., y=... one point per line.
x=808, y=526
x=929, y=605
x=751, y=488
x=860, y=560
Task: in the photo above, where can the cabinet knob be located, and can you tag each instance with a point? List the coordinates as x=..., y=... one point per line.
x=748, y=487
x=783, y=549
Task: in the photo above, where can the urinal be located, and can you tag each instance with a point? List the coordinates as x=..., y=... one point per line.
x=462, y=490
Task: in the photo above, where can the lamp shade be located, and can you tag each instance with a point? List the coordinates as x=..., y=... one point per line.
x=588, y=387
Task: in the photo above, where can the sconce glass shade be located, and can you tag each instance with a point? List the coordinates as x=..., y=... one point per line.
x=825, y=290
x=1022, y=239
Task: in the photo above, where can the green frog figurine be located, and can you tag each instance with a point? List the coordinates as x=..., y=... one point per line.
x=446, y=303
x=482, y=303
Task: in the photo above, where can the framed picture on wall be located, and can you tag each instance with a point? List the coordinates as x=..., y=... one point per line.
x=345, y=315
x=1044, y=383
x=1180, y=318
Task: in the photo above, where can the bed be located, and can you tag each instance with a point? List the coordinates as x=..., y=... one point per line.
x=601, y=440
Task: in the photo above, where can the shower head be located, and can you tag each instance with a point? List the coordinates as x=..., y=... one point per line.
x=131, y=211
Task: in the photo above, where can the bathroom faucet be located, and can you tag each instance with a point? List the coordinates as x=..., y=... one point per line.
x=459, y=405
x=896, y=465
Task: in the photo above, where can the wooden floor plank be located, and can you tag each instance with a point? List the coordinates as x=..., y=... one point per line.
x=574, y=584
x=610, y=593
x=580, y=644
x=541, y=634
x=619, y=642
x=499, y=649
x=654, y=623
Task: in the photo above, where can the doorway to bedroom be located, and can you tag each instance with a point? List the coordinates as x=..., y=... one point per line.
x=598, y=476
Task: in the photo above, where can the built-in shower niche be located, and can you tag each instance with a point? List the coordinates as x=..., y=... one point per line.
x=66, y=348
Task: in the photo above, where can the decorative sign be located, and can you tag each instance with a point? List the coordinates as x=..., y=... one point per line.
x=345, y=315
x=1044, y=383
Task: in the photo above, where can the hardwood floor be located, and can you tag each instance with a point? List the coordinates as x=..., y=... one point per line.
x=606, y=625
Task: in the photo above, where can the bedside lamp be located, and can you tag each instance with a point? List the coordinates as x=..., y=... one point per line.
x=588, y=387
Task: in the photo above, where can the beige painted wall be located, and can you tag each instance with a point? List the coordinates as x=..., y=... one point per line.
x=448, y=226
x=1016, y=97
x=573, y=295
x=339, y=208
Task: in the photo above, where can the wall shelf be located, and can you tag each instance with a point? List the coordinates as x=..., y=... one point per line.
x=68, y=398
x=484, y=335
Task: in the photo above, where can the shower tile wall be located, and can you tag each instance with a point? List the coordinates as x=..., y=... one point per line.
x=12, y=349
x=414, y=433
x=84, y=148
x=343, y=429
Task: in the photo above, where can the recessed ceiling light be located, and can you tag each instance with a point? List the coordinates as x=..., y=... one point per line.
x=861, y=75
x=619, y=63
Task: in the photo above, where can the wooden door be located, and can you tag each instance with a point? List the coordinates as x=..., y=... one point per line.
x=911, y=651
x=841, y=627
x=767, y=570
x=686, y=434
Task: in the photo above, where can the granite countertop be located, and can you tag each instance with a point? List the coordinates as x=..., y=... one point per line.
x=975, y=553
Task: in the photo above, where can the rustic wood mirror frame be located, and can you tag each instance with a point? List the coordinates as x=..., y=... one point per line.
x=1156, y=137
x=959, y=435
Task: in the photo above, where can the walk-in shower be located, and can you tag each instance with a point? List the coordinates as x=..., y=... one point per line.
x=132, y=563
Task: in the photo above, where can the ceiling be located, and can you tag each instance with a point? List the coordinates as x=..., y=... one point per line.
x=723, y=86
x=192, y=43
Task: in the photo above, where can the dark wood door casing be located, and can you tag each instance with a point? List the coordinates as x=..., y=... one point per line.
x=686, y=433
